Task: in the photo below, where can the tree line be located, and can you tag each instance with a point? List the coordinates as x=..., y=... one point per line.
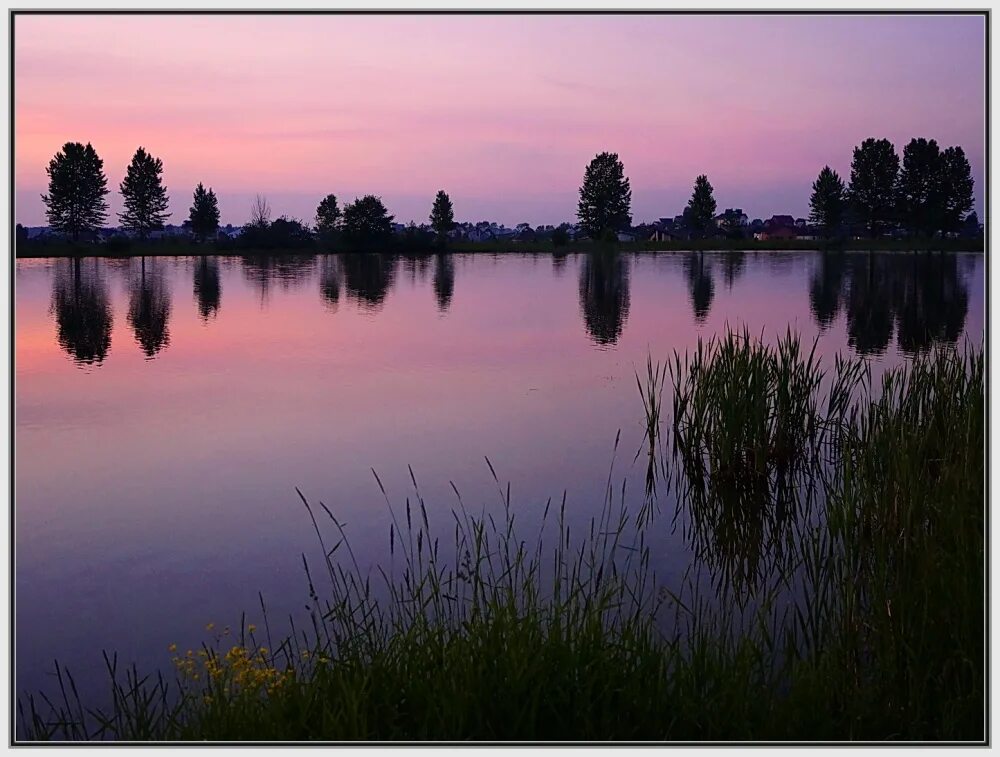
x=930, y=191
x=76, y=205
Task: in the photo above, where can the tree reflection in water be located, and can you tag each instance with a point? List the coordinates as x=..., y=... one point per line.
x=82, y=310
x=207, y=286
x=149, y=308
x=444, y=280
x=604, y=295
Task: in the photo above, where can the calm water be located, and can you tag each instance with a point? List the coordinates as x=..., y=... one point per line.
x=166, y=408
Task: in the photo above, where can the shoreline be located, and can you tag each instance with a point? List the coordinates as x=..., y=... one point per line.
x=61, y=250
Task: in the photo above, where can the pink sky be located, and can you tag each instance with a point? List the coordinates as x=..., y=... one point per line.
x=503, y=112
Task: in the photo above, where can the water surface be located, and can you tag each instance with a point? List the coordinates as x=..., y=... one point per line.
x=166, y=408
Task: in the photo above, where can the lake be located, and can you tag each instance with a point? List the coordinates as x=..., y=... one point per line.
x=167, y=408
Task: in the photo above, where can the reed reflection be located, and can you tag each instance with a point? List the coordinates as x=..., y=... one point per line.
x=82, y=310
x=149, y=308
x=207, y=287
x=605, y=295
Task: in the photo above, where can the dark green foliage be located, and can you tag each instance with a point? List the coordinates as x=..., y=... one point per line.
x=699, y=215
x=560, y=237
x=957, y=185
x=827, y=203
x=872, y=189
x=442, y=216
x=328, y=217
x=281, y=234
x=75, y=203
x=204, y=213
x=605, y=197
x=921, y=191
x=143, y=194
x=367, y=223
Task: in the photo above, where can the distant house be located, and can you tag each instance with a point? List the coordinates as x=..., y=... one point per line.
x=777, y=232
x=779, y=222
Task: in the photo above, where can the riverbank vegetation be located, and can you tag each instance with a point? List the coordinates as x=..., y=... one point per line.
x=925, y=199
x=840, y=519
x=180, y=247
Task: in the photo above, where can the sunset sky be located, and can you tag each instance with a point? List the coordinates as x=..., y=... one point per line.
x=503, y=112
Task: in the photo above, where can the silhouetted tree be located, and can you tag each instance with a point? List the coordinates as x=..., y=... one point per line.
x=827, y=201
x=327, y=217
x=260, y=212
x=442, y=216
x=207, y=287
x=605, y=197
x=20, y=236
x=444, y=280
x=82, y=310
x=920, y=192
x=873, y=183
x=75, y=203
x=699, y=215
x=701, y=286
x=957, y=186
x=367, y=222
x=149, y=311
x=143, y=194
x=605, y=295
x=204, y=218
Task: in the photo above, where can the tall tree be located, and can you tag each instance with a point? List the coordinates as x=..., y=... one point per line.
x=957, y=186
x=605, y=197
x=205, y=212
x=75, y=203
x=873, y=183
x=442, y=215
x=144, y=195
x=366, y=221
x=919, y=194
x=827, y=201
x=327, y=216
x=699, y=215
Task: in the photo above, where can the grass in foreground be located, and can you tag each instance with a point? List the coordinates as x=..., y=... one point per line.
x=870, y=626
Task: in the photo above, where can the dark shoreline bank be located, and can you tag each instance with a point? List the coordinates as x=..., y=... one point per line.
x=167, y=249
